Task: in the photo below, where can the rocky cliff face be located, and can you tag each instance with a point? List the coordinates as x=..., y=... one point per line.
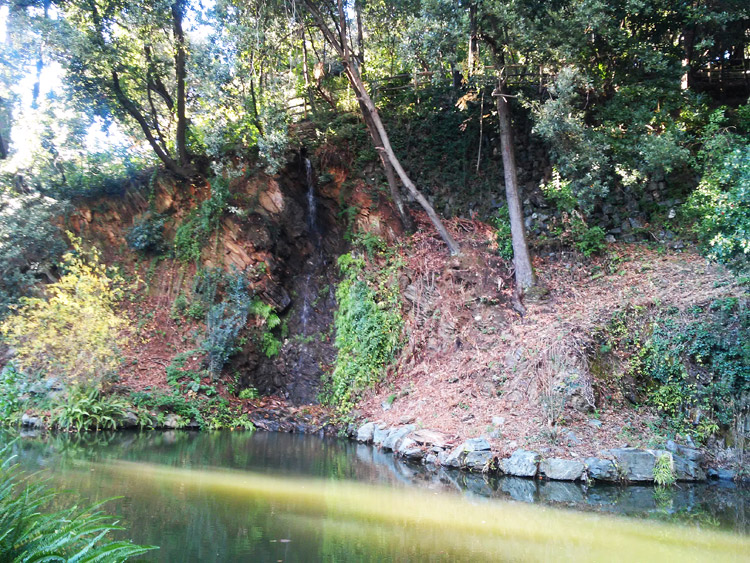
x=284, y=233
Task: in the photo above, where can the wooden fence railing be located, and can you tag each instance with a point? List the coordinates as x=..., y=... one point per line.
x=728, y=73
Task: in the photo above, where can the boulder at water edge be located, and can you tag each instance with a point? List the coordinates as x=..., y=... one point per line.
x=521, y=463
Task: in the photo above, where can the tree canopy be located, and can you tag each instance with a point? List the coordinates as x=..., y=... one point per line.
x=620, y=93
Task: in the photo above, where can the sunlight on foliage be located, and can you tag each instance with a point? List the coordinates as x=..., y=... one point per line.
x=664, y=475
x=722, y=201
x=73, y=332
x=85, y=410
x=369, y=327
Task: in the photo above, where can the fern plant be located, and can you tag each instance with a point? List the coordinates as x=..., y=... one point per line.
x=664, y=475
x=73, y=535
x=89, y=410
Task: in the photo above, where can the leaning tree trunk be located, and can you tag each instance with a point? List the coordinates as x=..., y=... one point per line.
x=453, y=247
x=521, y=260
x=390, y=175
x=370, y=113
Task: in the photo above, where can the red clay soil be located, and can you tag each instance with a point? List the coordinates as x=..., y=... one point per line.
x=154, y=338
x=469, y=356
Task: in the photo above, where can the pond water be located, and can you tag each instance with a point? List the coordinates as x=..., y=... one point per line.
x=241, y=496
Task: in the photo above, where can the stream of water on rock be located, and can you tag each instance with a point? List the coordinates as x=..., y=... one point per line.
x=242, y=496
x=308, y=289
x=312, y=225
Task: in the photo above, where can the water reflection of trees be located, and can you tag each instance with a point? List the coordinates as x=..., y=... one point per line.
x=705, y=505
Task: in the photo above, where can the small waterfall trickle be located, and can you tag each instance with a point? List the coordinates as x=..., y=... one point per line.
x=314, y=301
x=312, y=205
x=312, y=225
x=305, y=314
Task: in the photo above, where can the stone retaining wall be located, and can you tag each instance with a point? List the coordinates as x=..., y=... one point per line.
x=620, y=465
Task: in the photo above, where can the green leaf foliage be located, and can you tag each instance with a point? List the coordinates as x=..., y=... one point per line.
x=721, y=203
x=692, y=367
x=28, y=533
x=89, y=409
x=369, y=327
x=30, y=244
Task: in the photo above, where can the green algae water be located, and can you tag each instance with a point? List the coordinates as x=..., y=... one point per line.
x=230, y=496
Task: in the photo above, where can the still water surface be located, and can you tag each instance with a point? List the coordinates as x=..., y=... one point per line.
x=240, y=496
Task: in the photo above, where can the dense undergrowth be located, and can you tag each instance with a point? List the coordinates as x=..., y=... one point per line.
x=73, y=333
x=368, y=322
x=692, y=366
x=68, y=350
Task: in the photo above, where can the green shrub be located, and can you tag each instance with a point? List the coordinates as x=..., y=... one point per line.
x=273, y=143
x=720, y=204
x=29, y=534
x=74, y=333
x=225, y=320
x=196, y=311
x=185, y=380
x=207, y=412
x=591, y=240
x=693, y=366
x=249, y=393
x=195, y=231
x=30, y=244
x=581, y=153
x=503, y=234
x=559, y=193
x=179, y=307
x=571, y=228
x=89, y=409
x=368, y=328
x=189, y=240
x=269, y=344
x=159, y=403
x=147, y=234
x=12, y=391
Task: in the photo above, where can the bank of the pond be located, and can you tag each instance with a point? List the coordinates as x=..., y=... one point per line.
x=436, y=450
x=674, y=462
x=268, y=414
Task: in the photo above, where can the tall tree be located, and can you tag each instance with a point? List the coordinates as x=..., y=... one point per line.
x=130, y=59
x=524, y=272
x=493, y=31
x=338, y=39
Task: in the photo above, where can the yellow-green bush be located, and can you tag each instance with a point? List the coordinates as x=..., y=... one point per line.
x=73, y=332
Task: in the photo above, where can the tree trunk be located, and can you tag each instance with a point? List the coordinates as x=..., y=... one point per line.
x=390, y=175
x=370, y=112
x=360, y=34
x=521, y=260
x=453, y=247
x=473, y=40
x=403, y=213
x=688, y=41
x=179, y=58
x=306, y=72
x=132, y=110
